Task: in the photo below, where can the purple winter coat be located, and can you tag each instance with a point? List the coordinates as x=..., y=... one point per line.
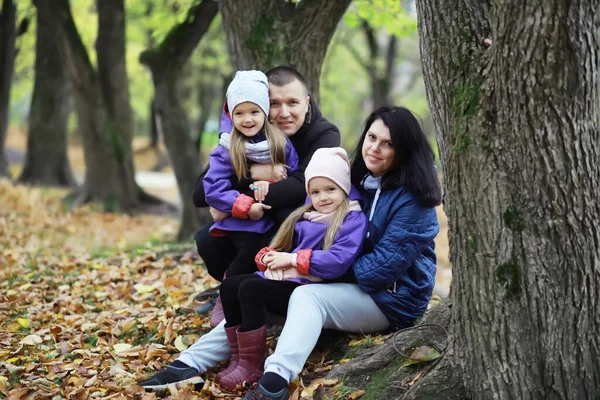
x=336, y=261
x=221, y=195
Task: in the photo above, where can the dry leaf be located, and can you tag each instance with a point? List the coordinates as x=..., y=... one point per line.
x=31, y=340
x=357, y=394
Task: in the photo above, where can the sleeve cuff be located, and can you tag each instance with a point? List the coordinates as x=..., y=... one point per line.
x=303, y=261
x=241, y=206
x=258, y=258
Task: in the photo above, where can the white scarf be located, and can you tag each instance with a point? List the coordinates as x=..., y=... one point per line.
x=321, y=218
x=257, y=152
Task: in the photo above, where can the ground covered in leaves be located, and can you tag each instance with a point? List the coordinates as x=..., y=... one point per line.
x=90, y=303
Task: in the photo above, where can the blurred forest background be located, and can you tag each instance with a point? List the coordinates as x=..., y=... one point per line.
x=119, y=101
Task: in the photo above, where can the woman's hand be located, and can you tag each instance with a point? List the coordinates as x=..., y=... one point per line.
x=257, y=211
x=217, y=215
x=277, y=260
x=261, y=189
x=263, y=172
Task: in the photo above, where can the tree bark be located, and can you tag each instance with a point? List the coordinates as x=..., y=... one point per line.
x=517, y=128
x=382, y=79
x=47, y=162
x=114, y=86
x=165, y=63
x=262, y=34
x=8, y=16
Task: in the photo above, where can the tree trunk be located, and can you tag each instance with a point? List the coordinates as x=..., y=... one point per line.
x=114, y=85
x=165, y=63
x=262, y=34
x=7, y=63
x=47, y=162
x=382, y=79
x=518, y=137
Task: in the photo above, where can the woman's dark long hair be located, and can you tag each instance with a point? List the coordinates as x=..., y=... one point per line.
x=413, y=164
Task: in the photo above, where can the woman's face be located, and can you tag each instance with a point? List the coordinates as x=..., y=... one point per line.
x=377, y=149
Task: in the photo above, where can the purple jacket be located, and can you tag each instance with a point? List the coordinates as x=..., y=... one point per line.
x=336, y=261
x=221, y=195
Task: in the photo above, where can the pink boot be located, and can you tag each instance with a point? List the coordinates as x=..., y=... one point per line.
x=217, y=314
x=235, y=353
x=252, y=346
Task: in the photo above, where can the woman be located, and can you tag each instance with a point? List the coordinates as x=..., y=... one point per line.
x=393, y=167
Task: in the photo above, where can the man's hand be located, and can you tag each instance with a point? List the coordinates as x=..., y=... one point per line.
x=277, y=260
x=257, y=211
x=264, y=172
x=292, y=273
x=217, y=215
x=261, y=189
x=275, y=274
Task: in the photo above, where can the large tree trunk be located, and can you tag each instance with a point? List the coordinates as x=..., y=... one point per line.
x=262, y=34
x=47, y=162
x=517, y=126
x=165, y=62
x=8, y=16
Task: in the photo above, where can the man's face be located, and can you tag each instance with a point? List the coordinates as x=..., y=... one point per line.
x=289, y=104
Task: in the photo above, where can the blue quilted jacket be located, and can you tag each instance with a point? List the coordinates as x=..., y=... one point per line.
x=397, y=268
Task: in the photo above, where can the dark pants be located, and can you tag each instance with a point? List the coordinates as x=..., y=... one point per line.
x=232, y=254
x=247, y=299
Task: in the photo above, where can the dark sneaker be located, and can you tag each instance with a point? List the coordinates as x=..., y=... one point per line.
x=208, y=305
x=258, y=392
x=208, y=293
x=172, y=375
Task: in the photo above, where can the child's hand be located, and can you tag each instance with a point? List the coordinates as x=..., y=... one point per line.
x=257, y=211
x=217, y=215
x=261, y=189
x=275, y=274
x=277, y=260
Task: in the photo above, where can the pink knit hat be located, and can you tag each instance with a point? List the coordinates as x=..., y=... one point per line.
x=331, y=163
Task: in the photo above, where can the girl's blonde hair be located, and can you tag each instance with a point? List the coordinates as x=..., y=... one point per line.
x=237, y=148
x=283, y=239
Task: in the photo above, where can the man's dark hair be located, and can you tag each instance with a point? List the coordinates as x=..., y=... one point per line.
x=283, y=75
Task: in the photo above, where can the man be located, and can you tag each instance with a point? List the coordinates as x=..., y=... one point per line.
x=298, y=117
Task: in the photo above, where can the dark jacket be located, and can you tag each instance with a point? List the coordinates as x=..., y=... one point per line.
x=288, y=194
x=397, y=268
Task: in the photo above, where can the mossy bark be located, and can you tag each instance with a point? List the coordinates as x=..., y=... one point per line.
x=262, y=34
x=46, y=162
x=512, y=87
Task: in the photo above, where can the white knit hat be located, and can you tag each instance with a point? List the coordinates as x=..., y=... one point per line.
x=331, y=163
x=252, y=86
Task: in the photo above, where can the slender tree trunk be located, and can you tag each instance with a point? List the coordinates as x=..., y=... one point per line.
x=381, y=72
x=7, y=61
x=513, y=92
x=114, y=85
x=165, y=62
x=47, y=162
x=262, y=34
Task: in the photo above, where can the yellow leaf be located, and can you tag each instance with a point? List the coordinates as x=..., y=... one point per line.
x=179, y=345
x=31, y=340
x=24, y=322
x=120, y=347
x=11, y=292
x=25, y=286
x=345, y=360
x=143, y=288
x=12, y=360
x=4, y=385
x=354, y=343
x=357, y=394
